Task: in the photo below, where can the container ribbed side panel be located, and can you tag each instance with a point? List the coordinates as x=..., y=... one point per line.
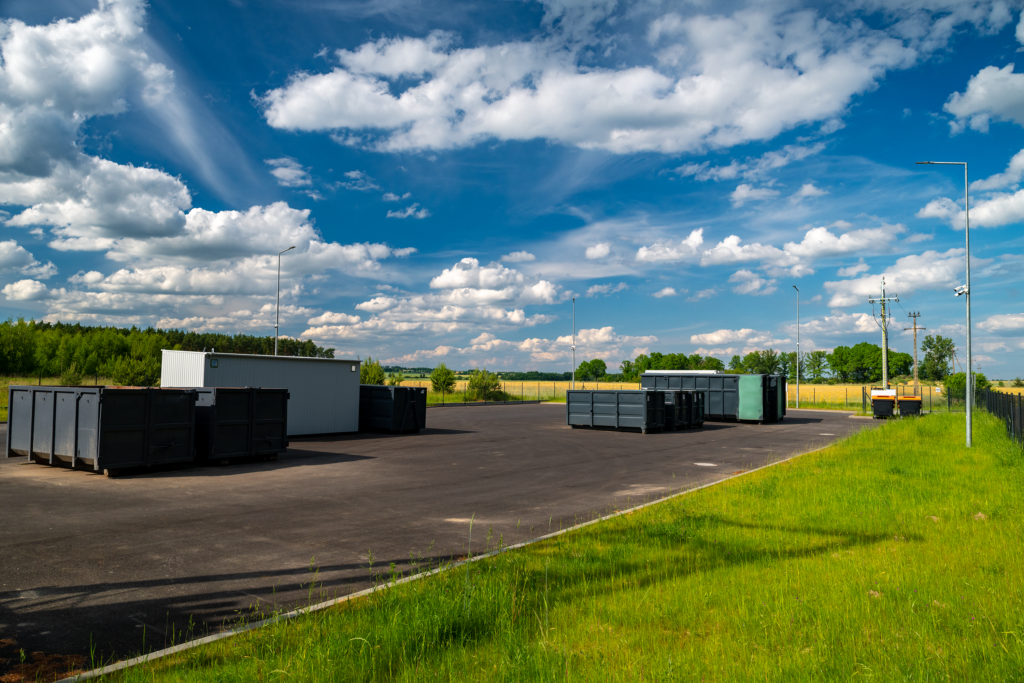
x=181, y=369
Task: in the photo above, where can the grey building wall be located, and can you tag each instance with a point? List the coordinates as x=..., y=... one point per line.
x=324, y=392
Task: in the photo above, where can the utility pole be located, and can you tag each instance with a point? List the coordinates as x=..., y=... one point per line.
x=885, y=333
x=573, y=343
x=915, y=315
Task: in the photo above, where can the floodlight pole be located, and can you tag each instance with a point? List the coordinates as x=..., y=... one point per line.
x=277, y=320
x=573, y=347
x=966, y=288
x=797, y=345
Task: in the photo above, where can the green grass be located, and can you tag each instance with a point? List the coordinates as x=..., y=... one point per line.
x=436, y=398
x=862, y=561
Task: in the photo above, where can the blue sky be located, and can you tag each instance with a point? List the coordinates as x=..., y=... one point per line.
x=453, y=174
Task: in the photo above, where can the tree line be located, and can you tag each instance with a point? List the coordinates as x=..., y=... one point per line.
x=128, y=356
x=860, y=364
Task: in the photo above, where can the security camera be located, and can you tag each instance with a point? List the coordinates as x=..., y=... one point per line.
x=962, y=289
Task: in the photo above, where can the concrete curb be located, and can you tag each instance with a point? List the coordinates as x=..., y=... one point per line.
x=160, y=654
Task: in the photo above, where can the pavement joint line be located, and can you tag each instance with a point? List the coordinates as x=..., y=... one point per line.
x=166, y=652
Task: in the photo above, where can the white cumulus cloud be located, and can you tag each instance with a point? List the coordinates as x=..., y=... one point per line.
x=748, y=282
x=737, y=84
x=289, y=172
x=518, y=257
x=747, y=193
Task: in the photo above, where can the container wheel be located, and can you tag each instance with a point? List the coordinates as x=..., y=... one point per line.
x=270, y=458
x=111, y=473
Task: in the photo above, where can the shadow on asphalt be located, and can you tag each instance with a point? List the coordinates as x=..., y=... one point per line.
x=365, y=436
x=220, y=607
x=292, y=458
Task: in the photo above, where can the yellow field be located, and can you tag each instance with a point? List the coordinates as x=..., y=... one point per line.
x=534, y=390
x=847, y=394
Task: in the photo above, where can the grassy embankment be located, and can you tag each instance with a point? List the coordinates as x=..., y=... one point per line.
x=893, y=555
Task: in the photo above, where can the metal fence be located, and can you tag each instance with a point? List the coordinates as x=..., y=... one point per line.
x=1007, y=407
x=931, y=401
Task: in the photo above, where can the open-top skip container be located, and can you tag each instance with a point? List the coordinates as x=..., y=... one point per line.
x=241, y=422
x=636, y=409
x=101, y=428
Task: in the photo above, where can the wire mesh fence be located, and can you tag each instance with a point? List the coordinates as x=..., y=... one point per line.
x=1008, y=408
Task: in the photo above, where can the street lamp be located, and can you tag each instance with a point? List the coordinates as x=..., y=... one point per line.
x=966, y=288
x=797, y=345
x=277, y=321
x=574, y=343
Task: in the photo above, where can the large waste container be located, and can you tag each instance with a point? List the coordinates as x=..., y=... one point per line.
x=755, y=398
x=102, y=428
x=683, y=409
x=722, y=400
x=762, y=398
x=643, y=410
x=392, y=409
x=241, y=422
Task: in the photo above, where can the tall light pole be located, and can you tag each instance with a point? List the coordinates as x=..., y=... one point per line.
x=573, y=347
x=797, y=345
x=277, y=321
x=966, y=288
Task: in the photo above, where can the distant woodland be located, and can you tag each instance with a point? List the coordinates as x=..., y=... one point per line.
x=126, y=355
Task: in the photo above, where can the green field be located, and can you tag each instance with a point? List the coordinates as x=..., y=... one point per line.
x=893, y=555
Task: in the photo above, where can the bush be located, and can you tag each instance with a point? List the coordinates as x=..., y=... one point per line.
x=1018, y=382
x=442, y=379
x=396, y=379
x=135, y=372
x=370, y=372
x=70, y=375
x=956, y=384
x=483, y=385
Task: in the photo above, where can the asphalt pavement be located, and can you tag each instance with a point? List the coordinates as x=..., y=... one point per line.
x=126, y=563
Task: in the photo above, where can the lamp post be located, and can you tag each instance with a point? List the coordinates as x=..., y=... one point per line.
x=573, y=347
x=797, y=345
x=277, y=320
x=966, y=288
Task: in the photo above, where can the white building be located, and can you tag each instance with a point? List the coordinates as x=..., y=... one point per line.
x=324, y=391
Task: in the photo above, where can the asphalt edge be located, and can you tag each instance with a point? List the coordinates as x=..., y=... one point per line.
x=160, y=654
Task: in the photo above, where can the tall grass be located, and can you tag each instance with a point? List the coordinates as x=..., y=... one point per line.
x=894, y=555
